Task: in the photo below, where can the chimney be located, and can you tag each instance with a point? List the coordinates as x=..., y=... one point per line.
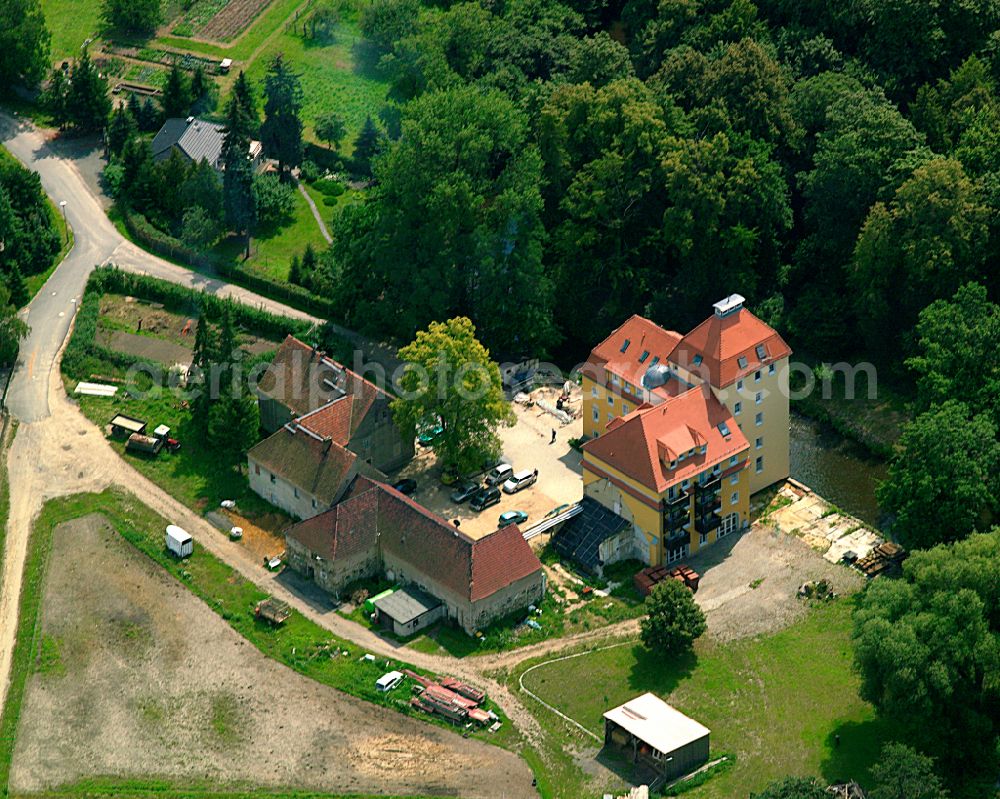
x=190, y=120
x=729, y=305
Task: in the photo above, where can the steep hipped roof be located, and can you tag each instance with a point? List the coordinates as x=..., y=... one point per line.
x=633, y=348
x=304, y=380
x=642, y=443
x=722, y=340
x=332, y=421
x=474, y=569
x=314, y=465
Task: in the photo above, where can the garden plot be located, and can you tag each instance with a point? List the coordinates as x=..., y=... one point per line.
x=138, y=680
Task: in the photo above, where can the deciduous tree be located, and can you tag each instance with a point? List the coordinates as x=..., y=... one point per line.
x=135, y=16
x=903, y=773
x=673, y=621
x=793, y=788
x=330, y=128
x=450, y=380
x=24, y=42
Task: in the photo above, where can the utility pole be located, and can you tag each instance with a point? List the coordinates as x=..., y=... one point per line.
x=62, y=205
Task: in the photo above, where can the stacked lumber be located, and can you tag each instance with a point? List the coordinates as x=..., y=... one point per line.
x=886, y=558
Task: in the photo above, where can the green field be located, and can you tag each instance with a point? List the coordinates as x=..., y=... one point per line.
x=776, y=702
x=71, y=23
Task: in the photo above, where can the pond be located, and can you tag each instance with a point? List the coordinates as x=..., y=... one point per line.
x=837, y=469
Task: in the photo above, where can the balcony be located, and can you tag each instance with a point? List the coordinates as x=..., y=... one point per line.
x=676, y=521
x=677, y=539
x=705, y=524
x=683, y=495
x=706, y=502
x=713, y=483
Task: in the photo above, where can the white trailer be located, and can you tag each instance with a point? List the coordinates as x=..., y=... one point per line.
x=179, y=541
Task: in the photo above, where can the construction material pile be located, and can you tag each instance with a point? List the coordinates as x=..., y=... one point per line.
x=886, y=558
x=451, y=698
x=650, y=576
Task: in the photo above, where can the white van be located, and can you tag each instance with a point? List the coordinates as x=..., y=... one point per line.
x=388, y=681
x=520, y=480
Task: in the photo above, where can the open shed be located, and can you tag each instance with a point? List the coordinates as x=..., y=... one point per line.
x=123, y=426
x=650, y=731
x=407, y=610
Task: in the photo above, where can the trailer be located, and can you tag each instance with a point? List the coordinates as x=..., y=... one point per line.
x=179, y=541
x=123, y=426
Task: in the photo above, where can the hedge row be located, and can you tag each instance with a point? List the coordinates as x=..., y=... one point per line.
x=157, y=241
x=181, y=299
x=84, y=357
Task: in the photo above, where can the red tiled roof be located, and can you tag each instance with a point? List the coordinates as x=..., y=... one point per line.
x=304, y=380
x=470, y=568
x=644, y=442
x=643, y=337
x=332, y=421
x=500, y=559
x=722, y=340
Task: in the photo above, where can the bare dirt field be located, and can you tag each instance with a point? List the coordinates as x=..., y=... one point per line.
x=749, y=583
x=139, y=680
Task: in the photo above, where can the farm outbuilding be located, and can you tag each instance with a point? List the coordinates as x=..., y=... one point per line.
x=407, y=610
x=123, y=426
x=650, y=731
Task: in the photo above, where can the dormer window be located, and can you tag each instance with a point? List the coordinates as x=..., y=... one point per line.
x=704, y=448
x=742, y=362
x=682, y=456
x=673, y=465
x=697, y=360
x=625, y=345
x=644, y=356
x=656, y=360
x=762, y=352
x=724, y=429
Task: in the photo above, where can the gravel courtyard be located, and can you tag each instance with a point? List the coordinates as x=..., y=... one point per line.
x=139, y=680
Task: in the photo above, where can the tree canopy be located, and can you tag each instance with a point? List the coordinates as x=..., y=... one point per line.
x=673, y=621
x=450, y=381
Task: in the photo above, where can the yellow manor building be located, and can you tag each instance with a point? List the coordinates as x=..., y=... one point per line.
x=683, y=429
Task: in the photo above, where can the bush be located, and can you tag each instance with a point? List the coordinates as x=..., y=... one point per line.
x=309, y=172
x=330, y=188
x=275, y=201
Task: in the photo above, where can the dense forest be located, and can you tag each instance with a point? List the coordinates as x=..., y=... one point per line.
x=551, y=169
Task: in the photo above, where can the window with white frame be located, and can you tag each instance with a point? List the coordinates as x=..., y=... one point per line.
x=593, y=391
x=734, y=498
x=756, y=376
x=597, y=415
x=760, y=464
x=759, y=443
x=611, y=399
x=703, y=538
x=770, y=369
x=735, y=479
x=759, y=419
x=739, y=385
x=614, y=379
x=737, y=408
x=759, y=397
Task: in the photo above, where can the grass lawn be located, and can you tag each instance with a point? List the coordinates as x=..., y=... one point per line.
x=272, y=250
x=71, y=23
x=193, y=475
x=340, y=76
x=300, y=644
x=777, y=702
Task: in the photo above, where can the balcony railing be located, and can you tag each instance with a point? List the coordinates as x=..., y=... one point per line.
x=705, y=524
x=683, y=495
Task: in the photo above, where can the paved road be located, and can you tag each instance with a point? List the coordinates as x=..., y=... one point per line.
x=97, y=241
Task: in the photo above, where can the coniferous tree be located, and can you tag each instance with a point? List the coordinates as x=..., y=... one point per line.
x=121, y=130
x=281, y=133
x=295, y=271
x=176, y=98
x=237, y=180
x=367, y=145
x=19, y=296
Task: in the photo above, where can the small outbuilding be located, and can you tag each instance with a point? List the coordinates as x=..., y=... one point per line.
x=179, y=541
x=650, y=731
x=123, y=426
x=407, y=610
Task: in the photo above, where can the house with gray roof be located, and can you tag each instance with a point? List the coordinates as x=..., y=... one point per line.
x=197, y=140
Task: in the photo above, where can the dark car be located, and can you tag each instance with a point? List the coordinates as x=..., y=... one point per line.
x=485, y=497
x=466, y=489
x=406, y=486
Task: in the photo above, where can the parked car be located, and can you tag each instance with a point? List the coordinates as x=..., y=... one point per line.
x=405, y=486
x=388, y=681
x=429, y=435
x=463, y=491
x=499, y=474
x=520, y=480
x=485, y=497
x=512, y=517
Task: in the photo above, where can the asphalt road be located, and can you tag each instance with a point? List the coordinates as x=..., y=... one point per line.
x=96, y=241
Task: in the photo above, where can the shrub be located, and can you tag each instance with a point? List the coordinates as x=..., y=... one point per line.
x=330, y=188
x=309, y=172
